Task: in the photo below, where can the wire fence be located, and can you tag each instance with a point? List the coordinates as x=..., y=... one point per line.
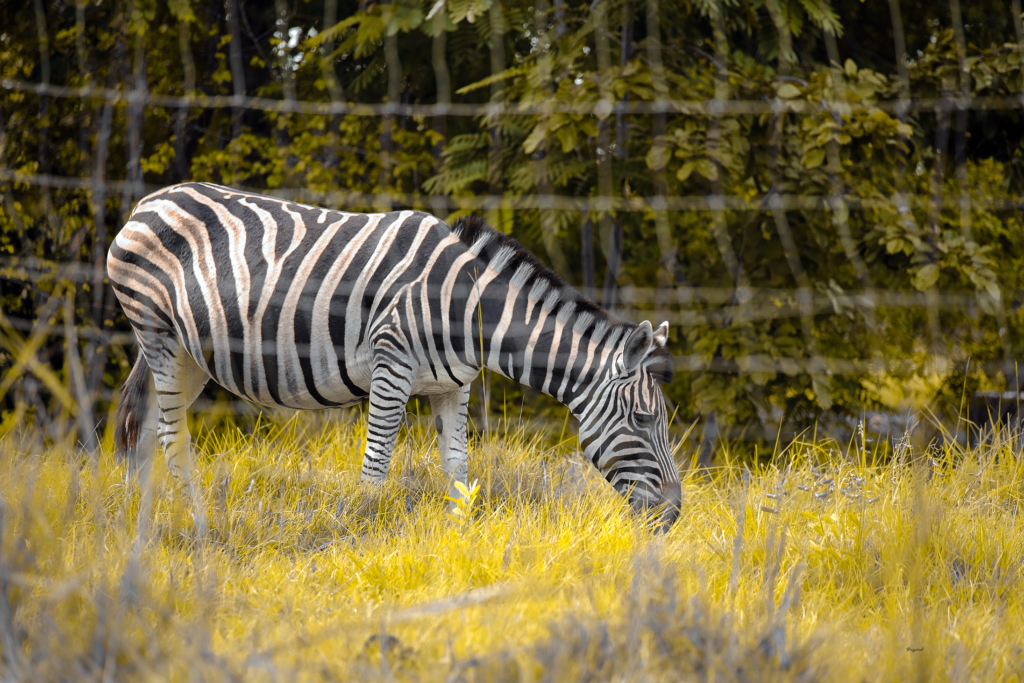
x=89, y=339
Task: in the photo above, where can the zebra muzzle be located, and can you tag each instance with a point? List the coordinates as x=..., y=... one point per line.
x=664, y=506
x=671, y=502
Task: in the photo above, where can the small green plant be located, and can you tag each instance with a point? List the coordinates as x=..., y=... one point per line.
x=464, y=502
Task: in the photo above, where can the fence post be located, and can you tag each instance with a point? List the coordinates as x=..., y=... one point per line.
x=443, y=80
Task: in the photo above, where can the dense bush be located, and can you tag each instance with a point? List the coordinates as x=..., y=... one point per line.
x=841, y=228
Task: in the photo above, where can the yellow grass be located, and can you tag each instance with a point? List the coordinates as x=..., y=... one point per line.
x=909, y=570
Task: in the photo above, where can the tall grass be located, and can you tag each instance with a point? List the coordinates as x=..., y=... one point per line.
x=828, y=567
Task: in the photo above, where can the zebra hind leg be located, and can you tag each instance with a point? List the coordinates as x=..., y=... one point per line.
x=179, y=381
x=451, y=413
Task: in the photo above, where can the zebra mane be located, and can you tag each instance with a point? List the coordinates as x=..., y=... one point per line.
x=497, y=248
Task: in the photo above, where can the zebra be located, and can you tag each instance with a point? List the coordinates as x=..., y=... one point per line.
x=289, y=305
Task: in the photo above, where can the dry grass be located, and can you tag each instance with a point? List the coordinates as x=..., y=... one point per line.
x=827, y=569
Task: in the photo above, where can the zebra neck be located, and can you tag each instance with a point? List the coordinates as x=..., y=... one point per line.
x=549, y=338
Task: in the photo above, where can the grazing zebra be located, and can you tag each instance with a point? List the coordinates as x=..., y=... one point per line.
x=303, y=307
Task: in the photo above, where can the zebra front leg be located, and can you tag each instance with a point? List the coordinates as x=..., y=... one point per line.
x=451, y=413
x=390, y=388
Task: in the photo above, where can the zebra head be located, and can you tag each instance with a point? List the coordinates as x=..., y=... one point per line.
x=624, y=427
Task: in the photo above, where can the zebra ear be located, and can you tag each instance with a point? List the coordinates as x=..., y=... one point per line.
x=638, y=345
x=661, y=334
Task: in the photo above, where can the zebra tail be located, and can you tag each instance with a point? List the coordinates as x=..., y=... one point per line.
x=135, y=418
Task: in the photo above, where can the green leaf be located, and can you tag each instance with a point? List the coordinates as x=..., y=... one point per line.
x=707, y=169
x=788, y=91
x=814, y=158
x=334, y=31
x=657, y=157
x=926, y=276
x=536, y=137
x=567, y=136
x=684, y=172
x=405, y=20
x=588, y=126
x=467, y=9
x=896, y=245
x=496, y=78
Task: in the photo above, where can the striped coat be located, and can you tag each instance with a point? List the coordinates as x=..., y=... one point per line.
x=304, y=307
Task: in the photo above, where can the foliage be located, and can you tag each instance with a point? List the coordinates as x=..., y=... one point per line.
x=830, y=568
x=897, y=257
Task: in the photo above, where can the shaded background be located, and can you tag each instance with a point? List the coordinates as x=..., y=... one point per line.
x=823, y=199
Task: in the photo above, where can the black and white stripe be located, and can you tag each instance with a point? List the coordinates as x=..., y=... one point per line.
x=303, y=307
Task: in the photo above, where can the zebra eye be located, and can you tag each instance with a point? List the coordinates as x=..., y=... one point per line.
x=644, y=419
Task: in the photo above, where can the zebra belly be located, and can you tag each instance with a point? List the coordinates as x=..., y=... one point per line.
x=424, y=383
x=333, y=393
x=295, y=379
